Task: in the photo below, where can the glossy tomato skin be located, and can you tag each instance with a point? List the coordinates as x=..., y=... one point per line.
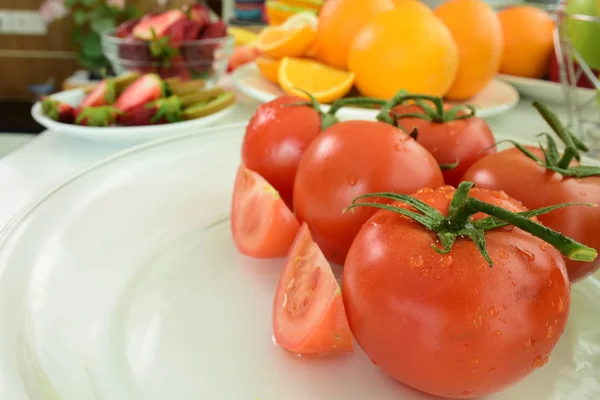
x=350, y=159
x=276, y=138
x=450, y=325
x=465, y=141
x=536, y=187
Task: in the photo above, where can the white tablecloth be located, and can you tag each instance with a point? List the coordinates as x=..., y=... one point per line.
x=46, y=160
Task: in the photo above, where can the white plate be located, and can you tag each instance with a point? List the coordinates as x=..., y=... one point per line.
x=124, y=284
x=118, y=134
x=546, y=91
x=495, y=99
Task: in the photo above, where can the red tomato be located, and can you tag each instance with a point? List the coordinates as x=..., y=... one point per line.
x=466, y=140
x=350, y=159
x=261, y=224
x=276, y=138
x=525, y=180
x=308, y=312
x=451, y=325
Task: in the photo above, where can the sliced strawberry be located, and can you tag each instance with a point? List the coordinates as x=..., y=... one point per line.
x=134, y=53
x=124, y=29
x=144, y=90
x=308, y=310
x=199, y=13
x=104, y=93
x=58, y=111
x=159, y=25
x=262, y=225
x=161, y=111
x=214, y=30
x=96, y=116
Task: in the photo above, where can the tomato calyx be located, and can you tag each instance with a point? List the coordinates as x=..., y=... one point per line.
x=553, y=161
x=458, y=223
x=436, y=114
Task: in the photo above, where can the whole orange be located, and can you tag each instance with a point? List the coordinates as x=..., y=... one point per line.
x=476, y=30
x=405, y=48
x=528, y=41
x=339, y=21
x=411, y=3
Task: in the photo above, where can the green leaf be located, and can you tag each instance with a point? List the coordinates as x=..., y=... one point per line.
x=102, y=25
x=88, y=2
x=91, y=46
x=80, y=17
x=71, y=3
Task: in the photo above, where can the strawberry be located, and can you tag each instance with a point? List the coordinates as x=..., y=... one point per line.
x=159, y=25
x=96, y=116
x=125, y=28
x=192, y=30
x=145, y=89
x=58, y=111
x=104, y=93
x=161, y=111
x=199, y=13
x=176, y=68
x=214, y=30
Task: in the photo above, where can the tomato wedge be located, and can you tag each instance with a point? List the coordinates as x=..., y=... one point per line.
x=261, y=224
x=308, y=312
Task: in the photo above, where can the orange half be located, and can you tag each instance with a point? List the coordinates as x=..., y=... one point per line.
x=269, y=68
x=323, y=82
x=276, y=42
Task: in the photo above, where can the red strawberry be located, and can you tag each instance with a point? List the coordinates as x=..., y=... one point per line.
x=214, y=30
x=134, y=53
x=145, y=89
x=96, y=116
x=199, y=13
x=159, y=25
x=125, y=28
x=58, y=111
x=192, y=30
x=104, y=93
x=175, y=67
x=161, y=111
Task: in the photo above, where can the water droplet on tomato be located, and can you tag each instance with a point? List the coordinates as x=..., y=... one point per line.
x=503, y=255
x=537, y=362
x=493, y=311
x=504, y=321
x=508, y=228
x=465, y=393
x=448, y=196
x=416, y=260
x=529, y=256
x=529, y=343
x=545, y=361
x=475, y=361
x=425, y=190
x=499, y=195
x=550, y=332
x=477, y=321
x=513, y=284
x=397, y=146
x=497, y=334
x=352, y=180
x=446, y=261
x=426, y=271
x=475, y=291
x=544, y=246
x=560, y=304
x=374, y=224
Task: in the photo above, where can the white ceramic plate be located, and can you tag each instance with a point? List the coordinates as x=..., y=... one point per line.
x=124, y=284
x=546, y=91
x=497, y=98
x=118, y=134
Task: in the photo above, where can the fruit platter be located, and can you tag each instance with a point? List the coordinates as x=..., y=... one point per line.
x=134, y=107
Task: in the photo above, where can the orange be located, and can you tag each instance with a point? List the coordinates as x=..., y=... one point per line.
x=269, y=68
x=278, y=12
x=339, y=21
x=411, y=3
x=278, y=42
x=476, y=30
x=323, y=82
x=405, y=48
x=528, y=41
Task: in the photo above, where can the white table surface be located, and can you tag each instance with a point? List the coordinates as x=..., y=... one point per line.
x=43, y=162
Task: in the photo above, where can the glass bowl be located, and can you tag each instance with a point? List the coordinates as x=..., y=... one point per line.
x=196, y=59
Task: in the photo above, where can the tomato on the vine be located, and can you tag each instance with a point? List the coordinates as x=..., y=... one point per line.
x=541, y=182
x=308, y=311
x=454, y=303
x=276, y=137
x=454, y=136
x=350, y=159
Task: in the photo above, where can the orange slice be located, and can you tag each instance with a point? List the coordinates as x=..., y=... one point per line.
x=323, y=82
x=269, y=68
x=276, y=42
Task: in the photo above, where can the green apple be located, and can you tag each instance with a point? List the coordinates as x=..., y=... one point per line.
x=585, y=35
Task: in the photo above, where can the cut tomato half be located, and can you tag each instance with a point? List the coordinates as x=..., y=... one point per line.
x=261, y=224
x=308, y=311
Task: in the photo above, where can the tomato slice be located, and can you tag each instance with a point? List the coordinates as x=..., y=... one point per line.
x=261, y=224
x=308, y=311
